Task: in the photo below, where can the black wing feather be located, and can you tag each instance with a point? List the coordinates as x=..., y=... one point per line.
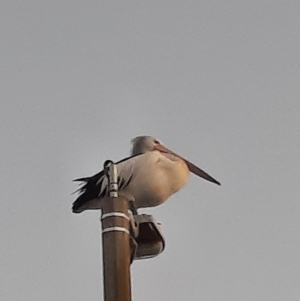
x=92, y=186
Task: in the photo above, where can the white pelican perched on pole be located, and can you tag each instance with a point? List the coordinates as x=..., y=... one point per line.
x=148, y=177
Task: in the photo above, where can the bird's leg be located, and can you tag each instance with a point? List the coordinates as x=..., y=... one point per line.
x=132, y=208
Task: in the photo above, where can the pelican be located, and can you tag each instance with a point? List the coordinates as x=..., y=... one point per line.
x=147, y=178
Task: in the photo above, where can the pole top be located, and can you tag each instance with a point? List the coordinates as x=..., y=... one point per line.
x=111, y=172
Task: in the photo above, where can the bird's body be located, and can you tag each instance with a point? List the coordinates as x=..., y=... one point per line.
x=155, y=177
x=148, y=178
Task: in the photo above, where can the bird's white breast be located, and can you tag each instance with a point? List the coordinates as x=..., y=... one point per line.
x=155, y=177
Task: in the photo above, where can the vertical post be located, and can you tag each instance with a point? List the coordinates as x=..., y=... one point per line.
x=115, y=242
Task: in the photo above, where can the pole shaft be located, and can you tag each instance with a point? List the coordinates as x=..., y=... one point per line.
x=116, y=252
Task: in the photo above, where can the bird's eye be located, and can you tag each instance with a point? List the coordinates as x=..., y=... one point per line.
x=156, y=142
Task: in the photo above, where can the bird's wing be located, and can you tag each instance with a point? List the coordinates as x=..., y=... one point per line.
x=96, y=186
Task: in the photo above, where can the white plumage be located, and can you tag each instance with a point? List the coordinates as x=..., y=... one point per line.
x=149, y=177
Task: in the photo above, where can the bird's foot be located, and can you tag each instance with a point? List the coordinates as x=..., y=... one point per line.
x=132, y=208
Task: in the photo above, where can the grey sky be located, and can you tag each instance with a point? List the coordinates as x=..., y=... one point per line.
x=217, y=81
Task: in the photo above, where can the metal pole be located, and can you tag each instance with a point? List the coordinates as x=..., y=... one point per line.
x=115, y=241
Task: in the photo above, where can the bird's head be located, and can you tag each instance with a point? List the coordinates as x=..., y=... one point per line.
x=144, y=144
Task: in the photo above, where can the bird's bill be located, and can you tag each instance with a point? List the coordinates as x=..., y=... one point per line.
x=192, y=167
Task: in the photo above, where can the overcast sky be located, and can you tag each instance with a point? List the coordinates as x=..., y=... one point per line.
x=216, y=81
